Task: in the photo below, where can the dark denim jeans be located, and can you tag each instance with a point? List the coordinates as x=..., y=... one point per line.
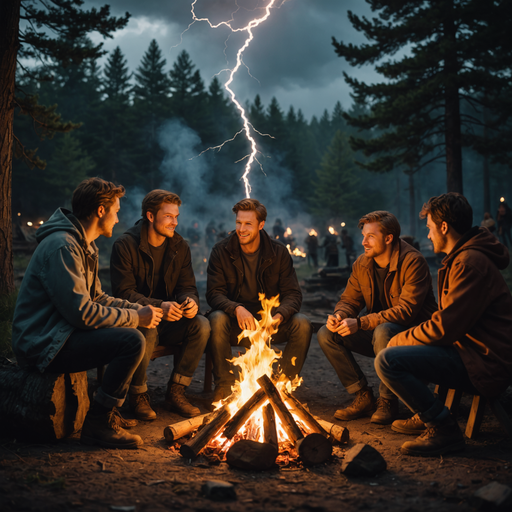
x=121, y=348
x=338, y=350
x=296, y=333
x=190, y=333
x=406, y=370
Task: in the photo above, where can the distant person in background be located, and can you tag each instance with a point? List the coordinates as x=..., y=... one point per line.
x=210, y=235
x=311, y=243
x=221, y=233
x=504, y=220
x=193, y=234
x=348, y=244
x=278, y=230
x=489, y=223
x=330, y=247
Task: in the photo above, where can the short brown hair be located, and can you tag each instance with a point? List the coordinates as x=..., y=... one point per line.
x=388, y=223
x=452, y=208
x=156, y=198
x=93, y=193
x=247, y=205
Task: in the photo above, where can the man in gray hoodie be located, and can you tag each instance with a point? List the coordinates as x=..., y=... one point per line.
x=64, y=323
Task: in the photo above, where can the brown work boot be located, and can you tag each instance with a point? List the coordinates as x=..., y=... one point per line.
x=124, y=422
x=104, y=430
x=176, y=400
x=221, y=392
x=139, y=405
x=443, y=438
x=363, y=405
x=387, y=411
x=411, y=426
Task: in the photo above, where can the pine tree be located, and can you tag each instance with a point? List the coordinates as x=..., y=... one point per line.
x=68, y=23
x=418, y=108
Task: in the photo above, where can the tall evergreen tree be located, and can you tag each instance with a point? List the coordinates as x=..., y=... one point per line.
x=67, y=23
x=417, y=108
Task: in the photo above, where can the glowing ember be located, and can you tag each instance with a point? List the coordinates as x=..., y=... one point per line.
x=254, y=363
x=296, y=252
x=288, y=232
x=332, y=231
x=313, y=233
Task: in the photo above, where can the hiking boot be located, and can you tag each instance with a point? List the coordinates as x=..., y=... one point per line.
x=124, y=422
x=412, y=426
x=176, y=400
x=387, y=411
x=221, y=392
x=436, y=440
x=139, y=405
x=363, y=405
x=104, y=430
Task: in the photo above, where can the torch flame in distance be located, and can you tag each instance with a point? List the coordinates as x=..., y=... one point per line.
x=332, y=231
x=313, y=233
x=288, y=232
x=296, y=252
x=246, y=124
x=256, y=361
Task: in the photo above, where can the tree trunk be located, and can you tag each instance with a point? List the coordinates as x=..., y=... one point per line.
x=412, y=205
x=453, y=138
x=9, y=28
x=486, y=172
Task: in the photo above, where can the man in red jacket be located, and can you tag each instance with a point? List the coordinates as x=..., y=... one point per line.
x=466, y=344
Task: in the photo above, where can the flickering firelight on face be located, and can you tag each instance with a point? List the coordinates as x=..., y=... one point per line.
x=374, y=242
x=247, y=227
x=166, y=219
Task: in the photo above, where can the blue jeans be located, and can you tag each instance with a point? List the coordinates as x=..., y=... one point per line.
x=338, y=350
x=406, y=370
x=190, y=333
x=296, y=333
x=121, y=348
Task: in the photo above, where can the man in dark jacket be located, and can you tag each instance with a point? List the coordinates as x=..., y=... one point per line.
x=151, y=264
x=392, y=280
x=64, y=323
x=246, y=263
x=466, y=344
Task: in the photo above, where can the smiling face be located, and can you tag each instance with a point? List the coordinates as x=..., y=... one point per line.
x=375, y=243
x=165, y=221
x=108, y=218
x=248, y=230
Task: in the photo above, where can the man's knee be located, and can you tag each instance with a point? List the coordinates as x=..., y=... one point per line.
x=218, y=321
x=326, y=337
x=134, y=342
x=301, y=324
x=382, y=334
x=201, y=325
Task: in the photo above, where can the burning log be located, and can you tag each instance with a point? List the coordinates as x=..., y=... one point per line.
x=183, y=428
x=291, y=428
x=269, y=425
x=244, y=413
x=247, y=454
x=340, y=434
x=299, y=410
x=219, y=418
x=314, y=449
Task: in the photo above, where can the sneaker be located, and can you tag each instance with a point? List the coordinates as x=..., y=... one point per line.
x=139, y=405
x=443, y=438
x=387, y=411
x=124, y=422
x=412, y=426
x=104, y=430
x=175, y=400
x=363, y=405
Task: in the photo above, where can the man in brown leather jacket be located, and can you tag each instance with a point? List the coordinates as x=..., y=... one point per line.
x=467, y=343
x=392, y=281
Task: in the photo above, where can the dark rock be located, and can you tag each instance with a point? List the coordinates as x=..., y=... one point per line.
x=493, y=496
x=218, y=490
x=363, y=460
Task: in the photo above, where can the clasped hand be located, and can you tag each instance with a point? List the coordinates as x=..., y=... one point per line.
x=342, y=327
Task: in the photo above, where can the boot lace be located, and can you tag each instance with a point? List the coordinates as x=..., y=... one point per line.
x=112, y=421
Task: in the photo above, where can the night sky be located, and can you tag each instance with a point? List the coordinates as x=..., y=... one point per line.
x=291, y=56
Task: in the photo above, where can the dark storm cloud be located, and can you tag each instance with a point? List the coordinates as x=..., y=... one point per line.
x=291, y=55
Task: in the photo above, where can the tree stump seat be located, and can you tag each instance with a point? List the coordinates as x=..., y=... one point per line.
x=42, y=407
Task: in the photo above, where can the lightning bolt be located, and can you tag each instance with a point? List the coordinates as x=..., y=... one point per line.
x=247, y=126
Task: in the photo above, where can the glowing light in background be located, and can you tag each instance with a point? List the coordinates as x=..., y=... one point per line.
x=239, y=61
x=502, y=199
x=342, y=224
x=313, y=233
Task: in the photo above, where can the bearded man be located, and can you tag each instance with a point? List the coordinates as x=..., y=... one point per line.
x=151, y=264
x=392, y=281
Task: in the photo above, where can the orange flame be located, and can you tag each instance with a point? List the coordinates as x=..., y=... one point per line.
x=296, y=252
x=288, y=232
x=313, y=233
x=332, y=231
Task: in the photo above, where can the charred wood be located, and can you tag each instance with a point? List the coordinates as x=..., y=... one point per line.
x=248, y=454
x=244, y=413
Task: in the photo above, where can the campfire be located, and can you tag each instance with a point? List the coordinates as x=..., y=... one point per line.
x=261, y=421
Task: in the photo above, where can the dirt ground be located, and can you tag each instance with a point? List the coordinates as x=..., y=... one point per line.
x=69, y=476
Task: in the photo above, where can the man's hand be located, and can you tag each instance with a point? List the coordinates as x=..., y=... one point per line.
x=277, y=319
x=333, y=322
x=245, y=319
x=172, y=311
x=189, y=308
x=149, y=316
x=342, y=327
